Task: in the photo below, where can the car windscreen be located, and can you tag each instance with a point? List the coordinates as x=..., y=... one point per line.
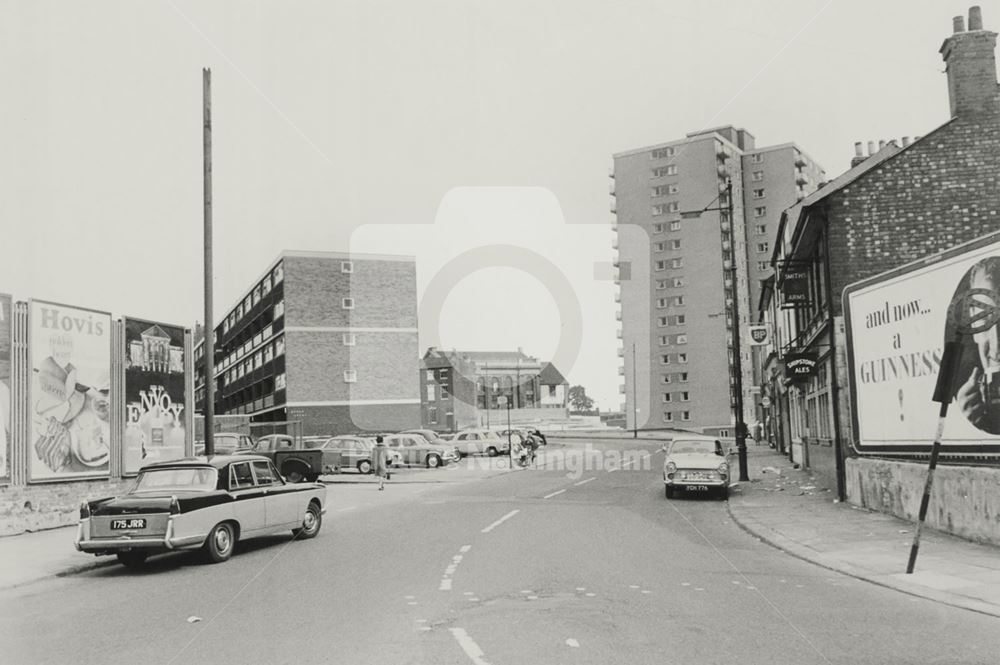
x=195, y=478
x=702, y=447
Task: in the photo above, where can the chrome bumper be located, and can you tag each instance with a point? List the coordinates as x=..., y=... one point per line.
x=84, y=543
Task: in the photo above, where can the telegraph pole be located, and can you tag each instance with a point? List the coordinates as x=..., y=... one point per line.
x=206, y=133
x=635, y=397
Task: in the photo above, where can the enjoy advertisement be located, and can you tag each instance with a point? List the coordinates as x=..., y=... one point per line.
x=154, y=393
x=6, y=347
x=897, y=326
x=70, y=404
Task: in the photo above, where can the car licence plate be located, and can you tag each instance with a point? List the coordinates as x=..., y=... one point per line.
x=697, y=488
x=132, y=523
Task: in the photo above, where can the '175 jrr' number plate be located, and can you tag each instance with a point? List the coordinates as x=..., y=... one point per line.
x=134, y=523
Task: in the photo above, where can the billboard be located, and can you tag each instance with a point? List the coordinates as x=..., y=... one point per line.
x=154, y=393
x=897, y=324
x=69, y=405
x=6, y=405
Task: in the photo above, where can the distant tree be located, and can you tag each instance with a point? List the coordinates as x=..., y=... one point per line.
x=578, y=399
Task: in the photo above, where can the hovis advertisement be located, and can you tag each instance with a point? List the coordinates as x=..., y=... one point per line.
x=897, y=326
x=154, y=393
x=69, y=407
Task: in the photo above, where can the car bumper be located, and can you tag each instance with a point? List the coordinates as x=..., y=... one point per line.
x=682, y=483
x=166, y=542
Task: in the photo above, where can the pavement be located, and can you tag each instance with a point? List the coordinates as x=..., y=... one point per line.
x=781, y=506
x=785, y=508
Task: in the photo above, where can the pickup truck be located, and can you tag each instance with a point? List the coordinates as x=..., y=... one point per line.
x=293, y=460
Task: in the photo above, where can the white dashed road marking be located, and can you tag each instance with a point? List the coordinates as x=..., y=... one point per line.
x=464, y=548
x=549, y=496
x=584, y=482
x=500, y=521
x=445, y=585
x=469, y=646
x=572, y=643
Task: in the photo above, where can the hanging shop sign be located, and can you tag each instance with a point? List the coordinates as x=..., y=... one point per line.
x=800, y=366
x=759, y=335
x=794, y=287
x=897, y=324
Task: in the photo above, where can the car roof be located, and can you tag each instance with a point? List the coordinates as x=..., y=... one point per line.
x=217, y=461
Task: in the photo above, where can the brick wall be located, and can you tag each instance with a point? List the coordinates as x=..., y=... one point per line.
x=45, y=506
x=940, y=192
x=333, y=420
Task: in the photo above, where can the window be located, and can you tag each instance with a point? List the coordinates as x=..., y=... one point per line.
x=672, y=189
x=675, y=244
x=432, y=415
x=684, y=377
x=279, y=346
x=685, y=396
x=665, y=378
x=760, y=211
x=662, y=321
x=662, y=153
x=347, y=303
x=661, y=302
x=762, y=247
x=757, y=176
x=265, y=475
x=757, y=158
x=760, y=229
x=240, y=476
x=680, y=320
x=665, y=359
x=661, y=190
x=659, y=246
x=662, y=284
x=668, y=417
x=758, y=193
x=268, y=353
x=659, y=227
x=279, y=309
x=431, y=392
x=678, y=301
x=675, y=225
x=347, y=267
x=350, y=376
x=678, y=282
x=660, y=265
x=682, y=339
x=667, y=397
x=266, y=285
x=763, y=265
x=685, y=415
x=682, y=357
x=350, y=339
x=676, y=263
x=664, y=208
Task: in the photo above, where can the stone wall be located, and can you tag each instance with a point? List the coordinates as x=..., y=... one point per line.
x=45, y=506
x=964, y=499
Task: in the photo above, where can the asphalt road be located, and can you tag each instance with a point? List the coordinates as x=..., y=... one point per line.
x=528, y=567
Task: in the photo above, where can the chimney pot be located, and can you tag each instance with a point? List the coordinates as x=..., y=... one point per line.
x=958, y=24
x=871, y=148
x=881, y=144
x=975, y=18
x=906, y=141
x=858, y=151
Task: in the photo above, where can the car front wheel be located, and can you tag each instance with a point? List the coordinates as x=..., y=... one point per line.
x=492, y=452
x=724, y=492
x=433, y=461
x=133, y=559
x=220, y=543
x=365, y=466
x=669, y=491
x=311, y=523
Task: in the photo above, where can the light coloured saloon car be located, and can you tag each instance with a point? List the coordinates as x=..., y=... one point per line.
x=693, y=464
x=197, y=502
x=480, y=442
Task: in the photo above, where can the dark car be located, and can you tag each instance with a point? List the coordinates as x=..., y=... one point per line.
x=199, y=502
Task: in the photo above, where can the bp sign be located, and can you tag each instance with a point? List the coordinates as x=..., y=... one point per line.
x=758, y=335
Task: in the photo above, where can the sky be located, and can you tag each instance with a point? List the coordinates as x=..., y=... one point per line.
x=447, y=129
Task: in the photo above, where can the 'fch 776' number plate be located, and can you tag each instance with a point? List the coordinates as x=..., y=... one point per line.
x=134, y=523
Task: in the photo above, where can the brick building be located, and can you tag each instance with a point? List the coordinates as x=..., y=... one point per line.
x=461, y=389
x=676, y=292
x=323, y=338
x=898, y=205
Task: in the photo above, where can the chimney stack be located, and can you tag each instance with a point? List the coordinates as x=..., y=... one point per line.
x=970, y=62
x=906, y=141
x=871, y=148
x=958, y=24
x=881, y=144
x=859, y=154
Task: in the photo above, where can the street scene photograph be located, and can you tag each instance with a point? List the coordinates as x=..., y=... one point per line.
x=481, y=332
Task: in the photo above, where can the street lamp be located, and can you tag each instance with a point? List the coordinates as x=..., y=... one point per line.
x=741, y=428
x=635, y=400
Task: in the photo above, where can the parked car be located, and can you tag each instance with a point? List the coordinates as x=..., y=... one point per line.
x=227, y=443
x=695, y=464
x=415, y=449
x=296, y=461
x=480, y=442
x=208, y=503
x=429, y=434
x=356, y=452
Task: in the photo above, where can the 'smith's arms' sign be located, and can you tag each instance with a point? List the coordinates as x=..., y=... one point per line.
x=897, y=324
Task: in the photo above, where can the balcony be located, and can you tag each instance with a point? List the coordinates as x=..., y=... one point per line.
x=614, y=243
x=611, y=188
x=618, y=315
x=616, y=261
x=614, y=208
x=621, y=371
x=618, y=296
x=801, y=178
x=611, y=171
x=618, y=334
x=723, y=171
x=621, y=388
x=800, y=161
x=621, y=353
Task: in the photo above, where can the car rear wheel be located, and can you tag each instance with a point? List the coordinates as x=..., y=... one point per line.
x=311, y=523
x=492, y=451
x=433, y=461
x=669, y=491
x=220, y=543
x=295, y=473
x=133, y=559
x=364, y=466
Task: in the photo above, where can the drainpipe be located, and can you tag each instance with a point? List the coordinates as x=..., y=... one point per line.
x=834, y=384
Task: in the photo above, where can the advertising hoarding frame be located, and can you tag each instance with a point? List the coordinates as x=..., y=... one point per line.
x=7, y=472
x=917, y=450
x=30, y=390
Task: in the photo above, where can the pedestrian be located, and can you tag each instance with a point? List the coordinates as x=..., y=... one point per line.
x=380, y=461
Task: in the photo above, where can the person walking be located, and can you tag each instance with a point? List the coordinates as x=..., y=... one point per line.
x=380, y=461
